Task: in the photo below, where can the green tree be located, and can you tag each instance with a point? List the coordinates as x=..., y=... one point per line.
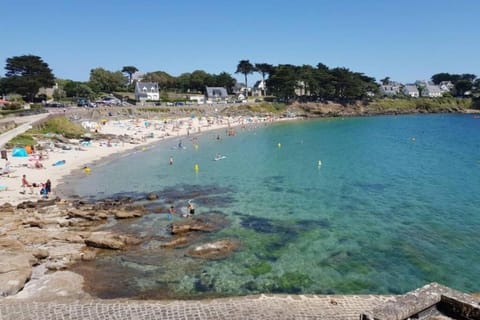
x=283, y=81
x=350, y=85
x=59, y=94
x=164, y=80
x=385, y=81
x=225, y=80
x=443, y=76
x=183, y=81
x=199, y=79
x=468, y=77
x=129, y=70
x=324, y=88
x=245, y=67
x=102, y=80
x=462, y=86
x=263, y=69
x=26, y=74
x=78, y=89
x=2, y=86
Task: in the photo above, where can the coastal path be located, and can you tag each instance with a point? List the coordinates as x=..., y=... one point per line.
x=25, y=124
x=265, y=307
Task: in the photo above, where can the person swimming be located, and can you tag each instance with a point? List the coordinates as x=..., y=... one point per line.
x=190, y=208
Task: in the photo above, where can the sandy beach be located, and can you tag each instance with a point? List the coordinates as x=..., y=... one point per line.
x=137, y=134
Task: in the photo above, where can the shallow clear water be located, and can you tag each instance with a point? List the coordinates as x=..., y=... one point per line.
x=394, y=205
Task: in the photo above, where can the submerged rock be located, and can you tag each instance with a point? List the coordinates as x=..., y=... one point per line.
x=195, y=224
x=215, y=250
x=152, y=196
x=177, y=242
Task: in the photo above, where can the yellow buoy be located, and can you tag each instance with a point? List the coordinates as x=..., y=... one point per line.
x=196, y=167
x=279, y=145
x=87, y=170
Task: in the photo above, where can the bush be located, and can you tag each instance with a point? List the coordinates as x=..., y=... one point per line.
x=21, y=140
x=418, y=104
x=60, y=125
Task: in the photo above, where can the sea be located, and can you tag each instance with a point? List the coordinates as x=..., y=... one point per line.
x=367, y=205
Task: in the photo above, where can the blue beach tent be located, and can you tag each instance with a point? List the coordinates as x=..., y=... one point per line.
x=19, y=152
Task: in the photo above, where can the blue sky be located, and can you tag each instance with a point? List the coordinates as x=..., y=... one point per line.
x=405, y=40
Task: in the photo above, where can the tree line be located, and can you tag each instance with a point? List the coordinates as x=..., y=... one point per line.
x=287, y=81
x=26, y=74
x=462, y=83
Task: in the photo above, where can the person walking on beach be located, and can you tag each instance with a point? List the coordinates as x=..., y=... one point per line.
x=26, y=184
x=48, y=187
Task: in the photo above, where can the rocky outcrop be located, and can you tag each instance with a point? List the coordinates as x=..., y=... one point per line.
x=215, y=250
x=54, y=235
x=87, y=214
x=52, y=286
x=106, y=240
x=128, y=214
x=15, y=271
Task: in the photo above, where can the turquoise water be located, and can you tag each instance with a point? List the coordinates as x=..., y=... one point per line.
x=393, y=206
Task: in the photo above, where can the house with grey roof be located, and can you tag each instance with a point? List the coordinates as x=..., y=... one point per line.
x=411, y=90
x=390, y=89
x=216, y=94
x=431, y=91
x=147, y=91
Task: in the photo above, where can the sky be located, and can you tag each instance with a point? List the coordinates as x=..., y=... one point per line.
x=405, y=40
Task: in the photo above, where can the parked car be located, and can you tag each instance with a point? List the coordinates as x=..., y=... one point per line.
x=55, y=105
x=110, y=101
x=82, y=102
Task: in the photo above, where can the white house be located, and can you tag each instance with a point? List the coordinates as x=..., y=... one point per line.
x=301, y=89
x=411, y=90
x=432, y=91
x=147, y=91
x=259, y=88
x=446, y=86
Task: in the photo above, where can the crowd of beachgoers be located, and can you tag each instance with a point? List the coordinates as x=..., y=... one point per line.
x=24, y=178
